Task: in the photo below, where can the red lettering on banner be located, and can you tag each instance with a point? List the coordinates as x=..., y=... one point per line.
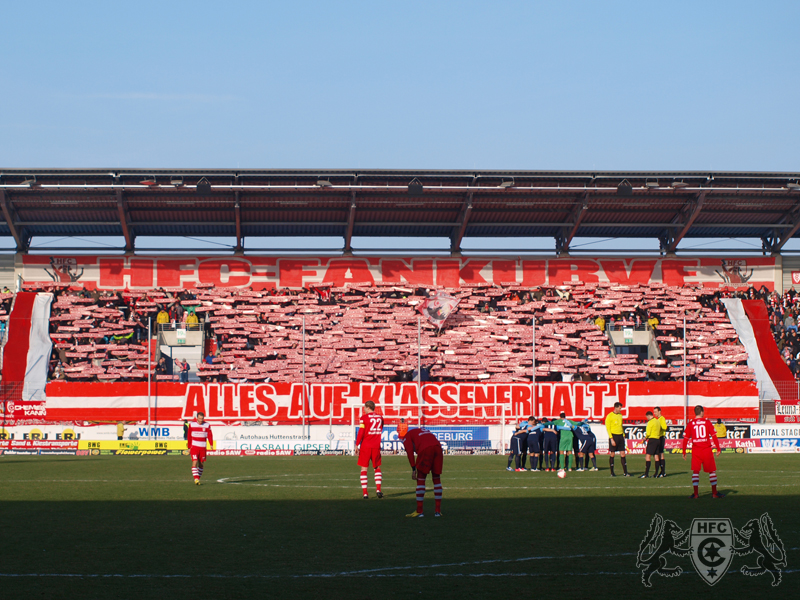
x=470, y=272
x=348, y=270
x=484, y=394
x=543, y=400
x=563, y=271
x=448, y=394
x=641, y=271
x=339, y=399
x=674, y=271
x=114, y=270
x=447, y=273
x=195, y=401
x=502, y=394
x=246, y=410
x=622, y=397
x=408, y=400
x=504, y=272
x=228, y=410
x=389, y=409
x=371, y=393
x=293, y=271
x=521, y=400
x=213, y=402
x=466, y=398
x=578, y=391
x=170, y=271
x=598, y=390
x=296, y=406
x=266, y=407
x=320, y=400
x=210, y=271
x=561, y=400
x=398, y=271
x=534, y=272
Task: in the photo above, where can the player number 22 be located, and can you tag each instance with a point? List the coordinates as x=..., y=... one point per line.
x=375, y=427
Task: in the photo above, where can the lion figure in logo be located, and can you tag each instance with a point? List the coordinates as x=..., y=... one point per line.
x=662, y=538
x=759, y=536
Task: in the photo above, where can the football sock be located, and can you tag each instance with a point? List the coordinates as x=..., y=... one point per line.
x=647, y=468
x=378, y=479
x=195, y=473
x=364, y=482
x=534, y=462
x=663, y=469
x=420, y=493
x=696, y=482
x=200, y=469
x=712, y=479
x=523, y=460
x=611, y=463
x=566, y=461
x=510, y=458
x=578, y=461
x=624, y=464
x=437, y=493
x=594, y=462
x=516, y=460
x=553, y=458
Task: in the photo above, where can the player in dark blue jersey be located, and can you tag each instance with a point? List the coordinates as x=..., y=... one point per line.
x=518, y=441
x=534, y=442
x=550, y=445
x=587, y=446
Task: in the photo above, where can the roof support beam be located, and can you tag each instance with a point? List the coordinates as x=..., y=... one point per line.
x=579, y=210
x=351, y=219
x=238, y=213
x=685, y=218
x=776, y=239
x=22, y=239
x=461, y=228
x=124, y=220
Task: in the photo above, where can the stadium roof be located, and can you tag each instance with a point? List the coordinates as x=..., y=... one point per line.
x=562, y=205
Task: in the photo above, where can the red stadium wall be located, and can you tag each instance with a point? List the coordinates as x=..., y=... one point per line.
x=118, y=272
x=282, y=403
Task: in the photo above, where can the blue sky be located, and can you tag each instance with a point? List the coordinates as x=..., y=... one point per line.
x=428, y=85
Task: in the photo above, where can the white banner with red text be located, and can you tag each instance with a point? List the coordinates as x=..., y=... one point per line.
x=270, y=272
x=340, y=403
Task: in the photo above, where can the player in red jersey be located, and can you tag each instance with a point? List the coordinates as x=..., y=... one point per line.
x=429, y=460
x=701, y=432
x=198, y=434
x=368, y=445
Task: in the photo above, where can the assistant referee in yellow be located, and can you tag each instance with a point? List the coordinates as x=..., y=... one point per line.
x=616, y=438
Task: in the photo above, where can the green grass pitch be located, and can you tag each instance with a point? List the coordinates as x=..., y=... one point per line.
x=296, y=527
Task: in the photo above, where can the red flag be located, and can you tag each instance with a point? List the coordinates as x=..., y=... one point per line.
x=437, y=307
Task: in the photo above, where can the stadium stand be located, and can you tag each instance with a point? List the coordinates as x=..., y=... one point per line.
x=370, y=333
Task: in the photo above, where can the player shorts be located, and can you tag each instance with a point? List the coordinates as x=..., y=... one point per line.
x=703, y=457
x=430, y=460
x=550, y=444
x=619, y=441
x=662, y=445
x=565, y=445
x=198, y=454
x=534, y=447
x=591, y=448
x=369, y=454
x=653, y=446
x=586, y=446
x=516, y=446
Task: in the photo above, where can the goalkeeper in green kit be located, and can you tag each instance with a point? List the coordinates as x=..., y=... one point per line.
x=565, y=438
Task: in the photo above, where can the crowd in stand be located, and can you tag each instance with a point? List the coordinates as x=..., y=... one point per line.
x=370, y=333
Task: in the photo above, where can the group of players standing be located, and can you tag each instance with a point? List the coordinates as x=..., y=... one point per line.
x=554, y=442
